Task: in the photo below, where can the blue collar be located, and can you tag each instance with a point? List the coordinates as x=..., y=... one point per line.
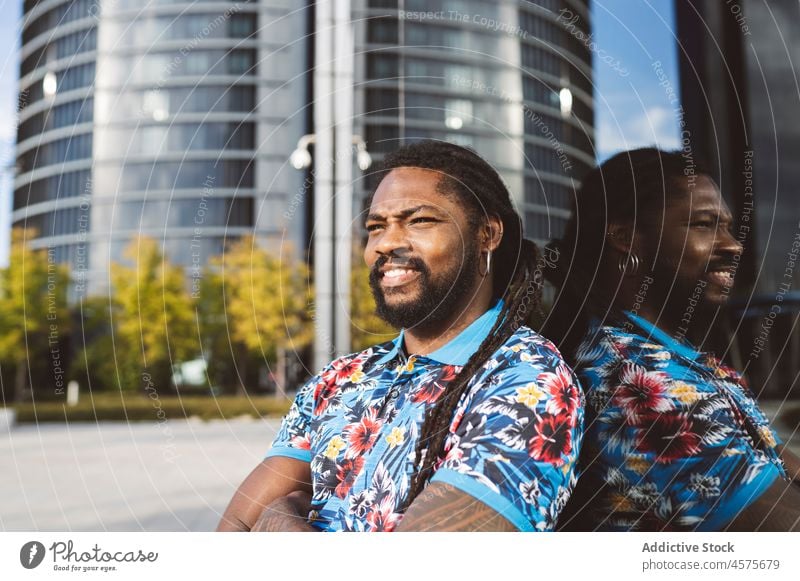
x=671, y=343
x=460, y=349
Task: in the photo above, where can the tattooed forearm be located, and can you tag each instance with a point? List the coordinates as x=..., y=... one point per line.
x=272, y=521
x=287, y=514
x=441, y=507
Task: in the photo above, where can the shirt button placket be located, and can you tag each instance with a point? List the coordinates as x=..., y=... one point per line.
x=391, y=396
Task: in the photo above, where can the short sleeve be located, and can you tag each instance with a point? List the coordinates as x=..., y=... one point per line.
x=667, y=449
x=514, y=444
x=294, y=436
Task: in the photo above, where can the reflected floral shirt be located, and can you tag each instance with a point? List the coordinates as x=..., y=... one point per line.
x=674, y=439
x=513, y=443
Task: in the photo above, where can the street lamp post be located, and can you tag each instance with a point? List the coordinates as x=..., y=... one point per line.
x=333, y=141
x=332, y=242
x=333, y=210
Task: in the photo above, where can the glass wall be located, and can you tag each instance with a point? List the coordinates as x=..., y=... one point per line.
x=178, y=137
x=489, y=75
x=64, y=185
x=161, y=216
x=143, y=118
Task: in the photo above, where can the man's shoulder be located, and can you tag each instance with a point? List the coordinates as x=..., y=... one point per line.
x=527, y=351
x=603, y=342
x=606, y=351
x=525, y=339
x=526, y=373
x=346, y=365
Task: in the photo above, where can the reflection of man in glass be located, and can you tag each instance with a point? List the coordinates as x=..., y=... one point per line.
x=674, y=438
x=468, y=420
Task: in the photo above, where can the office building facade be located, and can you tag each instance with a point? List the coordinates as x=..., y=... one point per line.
x=166, y=119
x=511, y=79
x=177, y=120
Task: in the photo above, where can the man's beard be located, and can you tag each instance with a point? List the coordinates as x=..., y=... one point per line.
x=436, y=301
x=683, y=301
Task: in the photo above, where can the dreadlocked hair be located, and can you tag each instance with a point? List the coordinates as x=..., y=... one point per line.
x=516, y=277
x=626, y=188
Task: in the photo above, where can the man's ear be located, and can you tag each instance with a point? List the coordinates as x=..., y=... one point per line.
x=623, y=238
x=492, y=233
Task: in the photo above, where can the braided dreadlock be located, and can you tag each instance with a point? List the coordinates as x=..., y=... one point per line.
x=516, y=278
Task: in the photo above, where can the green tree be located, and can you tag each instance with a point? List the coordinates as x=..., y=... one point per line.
x=367, y=328
x=33, y=313
x=94, y=363
x=267, y=298
x=213, y=328
x=153, y=317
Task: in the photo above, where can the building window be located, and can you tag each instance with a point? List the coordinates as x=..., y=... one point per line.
x=241, y=62
x=382, y=66
x=65, y=185
x=56, y=152
x=382, y=30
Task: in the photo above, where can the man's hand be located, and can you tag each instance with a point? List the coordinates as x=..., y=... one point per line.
x=286, y=514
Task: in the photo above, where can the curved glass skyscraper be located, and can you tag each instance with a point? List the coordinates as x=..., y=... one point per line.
x=176, y=119
x=163, y=118
x=510, y=78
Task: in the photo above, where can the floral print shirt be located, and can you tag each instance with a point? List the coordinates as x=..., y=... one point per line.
x=513, y=442
x=674, y=439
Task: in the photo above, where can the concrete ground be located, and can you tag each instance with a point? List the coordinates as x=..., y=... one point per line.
x=176, y=476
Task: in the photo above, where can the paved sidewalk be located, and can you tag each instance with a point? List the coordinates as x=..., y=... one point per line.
x=176, y=476
x=139, y=476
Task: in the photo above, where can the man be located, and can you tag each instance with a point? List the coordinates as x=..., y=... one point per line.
x=675, y=440
x=468, y=420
